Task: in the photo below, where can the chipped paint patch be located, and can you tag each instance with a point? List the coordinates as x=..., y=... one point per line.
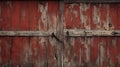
x=75, y=13
x=84, y=7
x=26, y=53
x=43, y=18
x=87, y=50
x=42, y=41
x=102, y=52
x=96, y=15
x=54, y=20
x=106, y=25
x=84, y=17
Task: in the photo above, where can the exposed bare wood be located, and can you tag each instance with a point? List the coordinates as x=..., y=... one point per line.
x=67, y=32
x=93, y=32
x=24, y=33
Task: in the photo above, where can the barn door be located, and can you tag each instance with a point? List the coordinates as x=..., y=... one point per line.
x=92, y=40
x=31, y=34
x=59, y=34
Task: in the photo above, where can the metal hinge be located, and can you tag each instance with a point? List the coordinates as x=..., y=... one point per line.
x=67, y=32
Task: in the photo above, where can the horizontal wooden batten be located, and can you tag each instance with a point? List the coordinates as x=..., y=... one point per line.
x=74, y=33
x=67, y=32
x=24, y=33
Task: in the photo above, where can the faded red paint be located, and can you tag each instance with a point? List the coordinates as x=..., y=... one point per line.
x=113, y=41
x=41, y=51
x=72, y=16
x=77, y=49
x=5, y=41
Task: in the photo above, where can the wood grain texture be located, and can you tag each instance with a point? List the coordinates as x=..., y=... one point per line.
x=59, y=50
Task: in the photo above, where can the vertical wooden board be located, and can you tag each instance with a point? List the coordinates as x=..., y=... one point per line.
x=118, y=39
x=67, y=24
x=33, y=21
x=24, y=22
x=53, y=17
x=6, y=15
x=103, y=58
x=34, y=15
x=24, y=19
x=15, y=15
x=39, y=45
x=95, y=25
x=85, y=22
x=94, y=51
x=5, y=50
x=85, y=16
x=71, y=49
x=78, y=16
x=113, y=17
x=0, y=29
x=118, y=51
x=16, y=46
x=5, y=41
x=67, y=16
x=76, y=49
x=16, y=50
x=1, y=19
x=42, y=9
x=118, y=13
x=113, y=25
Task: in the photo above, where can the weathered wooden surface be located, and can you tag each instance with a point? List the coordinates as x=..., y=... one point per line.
x=64, y=51
x=66, y=32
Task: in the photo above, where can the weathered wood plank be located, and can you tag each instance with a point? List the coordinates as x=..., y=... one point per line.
x=24, y=21
x=67, y=32
x=103, y=58
x=5, y=41
x=34, y=45
x=113, y=54
x=53, y=19
x=16, y=53
x=84, y=34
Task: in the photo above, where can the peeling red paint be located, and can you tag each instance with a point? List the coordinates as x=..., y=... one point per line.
x=43, y=51
x=5, y=50
x=77, y=49
x=113, y=41
x=72, y=16
x=95, y=50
